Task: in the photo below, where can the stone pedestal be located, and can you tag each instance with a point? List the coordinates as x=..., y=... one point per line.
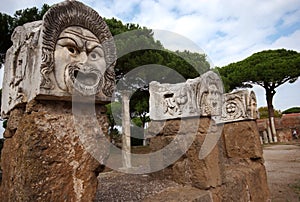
x=190, y=169
x=53, y=150
x=232, y=171
x=45, y=158
x=242, y=140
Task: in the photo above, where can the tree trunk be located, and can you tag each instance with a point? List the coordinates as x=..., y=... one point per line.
x=269, y=96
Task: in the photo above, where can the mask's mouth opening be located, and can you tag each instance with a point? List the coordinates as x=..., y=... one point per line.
x=86, y=78
x=83, y=80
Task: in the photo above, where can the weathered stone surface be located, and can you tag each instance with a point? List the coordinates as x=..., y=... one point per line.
x=54, y=148
x=233, y=170
x=115, y=186
x=242, y=140
x=76, y=54
x=245, y=181
x=46, y=158
x=12, y=125
x=199, y=96
x=190, y=169
x=182, y=194
x=239, y=105
x=202, y=96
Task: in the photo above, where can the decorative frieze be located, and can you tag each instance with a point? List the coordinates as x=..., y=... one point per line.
x=202, y=96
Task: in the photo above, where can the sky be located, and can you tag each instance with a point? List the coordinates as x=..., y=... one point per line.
x=226, y=30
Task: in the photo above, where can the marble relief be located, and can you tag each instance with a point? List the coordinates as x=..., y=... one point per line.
x=70, y=51
x=202, y=96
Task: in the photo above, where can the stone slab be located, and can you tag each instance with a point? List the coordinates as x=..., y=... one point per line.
x=202, y=96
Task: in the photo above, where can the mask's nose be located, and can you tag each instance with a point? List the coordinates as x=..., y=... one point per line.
x=82, y=57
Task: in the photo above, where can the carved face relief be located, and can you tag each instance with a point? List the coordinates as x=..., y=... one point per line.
x=214, y=98
x=253, y=109
x=79, y=61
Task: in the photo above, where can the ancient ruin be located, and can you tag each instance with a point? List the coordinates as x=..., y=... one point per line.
x=233, y=169
x=43, y=61
x=54, y=151
x=202, y=96
x=45, y=155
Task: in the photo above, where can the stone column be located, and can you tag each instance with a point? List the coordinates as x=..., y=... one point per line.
x=273, y=129
x=265, y=137
x=270, y=134
x=126, y=143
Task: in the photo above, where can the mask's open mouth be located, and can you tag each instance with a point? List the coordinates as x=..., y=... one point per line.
x=88, y=79
x=83, y=80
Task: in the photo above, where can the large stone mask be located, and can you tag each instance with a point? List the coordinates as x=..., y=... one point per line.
x=79, y=61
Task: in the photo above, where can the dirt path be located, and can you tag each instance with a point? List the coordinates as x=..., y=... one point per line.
x=283, y=169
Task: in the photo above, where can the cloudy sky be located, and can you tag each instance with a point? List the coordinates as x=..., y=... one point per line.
x=226, y=30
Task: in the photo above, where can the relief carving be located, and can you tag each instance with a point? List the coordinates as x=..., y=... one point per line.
x=209, y=95
x=80, y=62
x=202, y=96
x=174, y=102
x=70, y=50
x=79, y=43
x=199, y=96
x=239, y=105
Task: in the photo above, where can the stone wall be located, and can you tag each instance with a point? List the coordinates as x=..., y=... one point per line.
x=284, y=126
x=43, y=158
x=232, y=171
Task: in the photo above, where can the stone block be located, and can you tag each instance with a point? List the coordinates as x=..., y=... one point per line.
x=48, y=159
x=199, y=96
x=245, y=181
x=181, y=194
x=191, y=169
x=54, y=147
x=48, y=61
x=239, y=105
x=202, y=96
x=242, y=140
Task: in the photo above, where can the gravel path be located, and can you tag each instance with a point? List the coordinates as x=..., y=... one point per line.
x=283, y=169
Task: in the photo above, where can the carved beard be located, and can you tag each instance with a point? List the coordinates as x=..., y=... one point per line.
x=82, y=79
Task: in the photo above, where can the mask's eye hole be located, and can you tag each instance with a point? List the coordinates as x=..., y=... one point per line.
x=72, y=50
x=93, y=55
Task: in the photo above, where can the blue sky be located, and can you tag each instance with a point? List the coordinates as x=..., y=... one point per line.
x=226, y=30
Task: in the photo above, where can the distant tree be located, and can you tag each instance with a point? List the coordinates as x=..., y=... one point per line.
x=9, y=23
x=269, y=69
x=264, y=113
x=139, y=107
x=292, y=110
x=6, y=29
x=114, y=114
x=186, y=63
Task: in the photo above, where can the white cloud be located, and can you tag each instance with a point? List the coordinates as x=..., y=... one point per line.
x=291, y=41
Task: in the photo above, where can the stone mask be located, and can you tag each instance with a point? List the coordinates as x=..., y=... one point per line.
x=79, y=61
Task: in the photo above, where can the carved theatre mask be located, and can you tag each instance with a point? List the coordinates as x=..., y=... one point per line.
x=79, y=61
